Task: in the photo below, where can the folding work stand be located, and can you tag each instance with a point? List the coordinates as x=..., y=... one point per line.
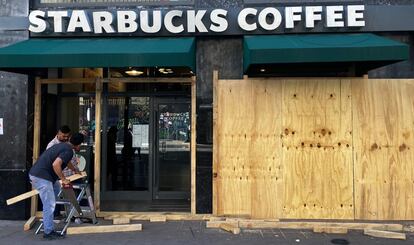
x=72, y=206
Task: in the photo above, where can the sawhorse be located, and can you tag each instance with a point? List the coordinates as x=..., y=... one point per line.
x=72, y=206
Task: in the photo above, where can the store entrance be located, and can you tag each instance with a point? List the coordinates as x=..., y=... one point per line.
x=146, y=153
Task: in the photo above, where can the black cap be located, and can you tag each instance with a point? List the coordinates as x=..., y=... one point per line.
x=64, y=129
x=76, y=139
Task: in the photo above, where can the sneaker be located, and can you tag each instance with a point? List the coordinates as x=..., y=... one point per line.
x=53, y=236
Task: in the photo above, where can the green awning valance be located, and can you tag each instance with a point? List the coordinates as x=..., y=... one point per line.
x=319, y=48
x=99, y=52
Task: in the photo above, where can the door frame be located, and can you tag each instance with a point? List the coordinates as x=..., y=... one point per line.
x=98, y=114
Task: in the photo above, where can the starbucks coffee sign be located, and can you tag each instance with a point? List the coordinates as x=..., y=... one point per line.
x=187, y=22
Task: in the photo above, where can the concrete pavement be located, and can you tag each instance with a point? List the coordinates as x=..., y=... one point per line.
x=191, y=232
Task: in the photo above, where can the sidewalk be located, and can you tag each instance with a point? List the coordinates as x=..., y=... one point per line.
x=190, y=232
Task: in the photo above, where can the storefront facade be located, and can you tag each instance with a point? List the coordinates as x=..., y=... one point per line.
x=157, y=142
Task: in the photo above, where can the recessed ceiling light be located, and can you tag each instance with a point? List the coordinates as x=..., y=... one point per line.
x=134, y=72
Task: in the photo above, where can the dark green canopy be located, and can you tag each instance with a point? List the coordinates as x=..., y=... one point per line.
x=99, y=52
x=319, y=48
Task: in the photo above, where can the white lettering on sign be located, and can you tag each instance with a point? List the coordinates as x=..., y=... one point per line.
x=194, y=21
x=334, y=16
x=127, y=21
x=219, y=21
x=102, y=22
x=168, y=21
x=313, y=13
x=356, y=15
x=156, y=21
x=277, y=19
x=242, y=19
x=37, y=24
x=292, y=15
x=79, y=19
x=57, y=19
x=197, y=21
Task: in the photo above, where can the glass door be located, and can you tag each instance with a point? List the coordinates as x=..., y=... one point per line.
x=172, y=165
x=146, y=153
x=127, y=146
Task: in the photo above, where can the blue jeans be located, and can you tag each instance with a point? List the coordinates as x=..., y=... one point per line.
x=47, y=192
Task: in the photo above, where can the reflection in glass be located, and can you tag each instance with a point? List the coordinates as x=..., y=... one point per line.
x=174, y=147
x=127, y=143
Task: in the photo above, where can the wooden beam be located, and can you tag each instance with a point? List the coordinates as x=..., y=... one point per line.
x=35, y=192
x=36, y=135
x=385, y=234
x=230, y=228
x=330, y=230
x=193, y=147
x=306, y=225
x=151, y=80
x=67, y=80
x=29, y=223
x=103, y=229
x=147, y=216
x=22, y=197
x=97, y=170
x=215, y=142
x=121, y=220
x=160, y=218
x=217, y=224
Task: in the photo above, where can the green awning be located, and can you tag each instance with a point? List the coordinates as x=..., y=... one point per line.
x=99, y=52
x=319, y=48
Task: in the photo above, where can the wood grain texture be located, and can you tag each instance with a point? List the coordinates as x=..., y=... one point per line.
x=384, y=161
x=314, y=148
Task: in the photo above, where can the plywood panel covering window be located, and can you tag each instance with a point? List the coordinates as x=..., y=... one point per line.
x=314, y=148
x=317, y=152
x=384, y=149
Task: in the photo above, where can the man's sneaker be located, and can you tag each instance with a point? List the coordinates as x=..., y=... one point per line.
x=53, y=236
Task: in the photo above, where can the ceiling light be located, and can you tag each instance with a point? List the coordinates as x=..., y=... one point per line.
x=262, y=70
x=134, y=72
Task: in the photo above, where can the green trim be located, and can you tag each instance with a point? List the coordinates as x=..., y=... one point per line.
x=282, y=49
x=100, y=52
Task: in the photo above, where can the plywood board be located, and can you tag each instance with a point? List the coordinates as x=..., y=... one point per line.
x=233, y=143
x=344, y=148
x=383, y=123
x=317, y=149
x=385, y=234
x=103, y=229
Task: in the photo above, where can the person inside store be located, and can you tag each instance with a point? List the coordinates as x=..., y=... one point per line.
x=45, y=175
x=111, y=156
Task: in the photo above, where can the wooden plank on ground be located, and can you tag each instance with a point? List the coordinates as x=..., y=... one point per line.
x=216, y=224
x=385, y=234
x=29, y=223
x=158, y=218
x=257, y=224
x=103, y=229
x=230, y=228
x=121, y=220
x=330, y=230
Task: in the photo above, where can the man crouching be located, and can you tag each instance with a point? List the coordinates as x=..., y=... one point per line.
x=45, y=175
